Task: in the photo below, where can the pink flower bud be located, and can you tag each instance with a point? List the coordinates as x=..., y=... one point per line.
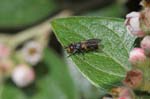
x=137, y=56
x=4, y=51
x=133, y=79
x=133, y=24
x=23, y=75
x=145, y=44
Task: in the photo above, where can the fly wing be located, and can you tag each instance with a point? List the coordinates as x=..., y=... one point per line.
x=94, y=40
x=92, y=44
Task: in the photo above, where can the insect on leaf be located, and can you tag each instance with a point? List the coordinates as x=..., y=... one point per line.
x=104, y=68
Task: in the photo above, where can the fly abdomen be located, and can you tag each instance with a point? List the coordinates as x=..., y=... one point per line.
x=91, y=44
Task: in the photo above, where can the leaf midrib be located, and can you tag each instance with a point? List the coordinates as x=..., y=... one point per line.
x=107, y=72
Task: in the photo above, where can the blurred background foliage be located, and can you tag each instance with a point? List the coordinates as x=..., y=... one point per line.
x=17, y=15
x=55, y=80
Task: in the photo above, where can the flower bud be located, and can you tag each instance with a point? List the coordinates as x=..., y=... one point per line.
x=137, y=56
x=23, y=75
x=4, y=51
x=134, y=79
x=133, y=24
x=145, y=44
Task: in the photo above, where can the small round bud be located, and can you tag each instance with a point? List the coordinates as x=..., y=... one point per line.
x=23, y=75
x=4, y=51
x=134, y=79
x=137, y=56
x=145, y=44
x=133, y=24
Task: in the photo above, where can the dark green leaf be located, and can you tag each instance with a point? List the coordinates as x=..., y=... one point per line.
x=9, y=91
x=114, y=10
x=18, y=13
x=104, y=68
x=143, y=97
x=60, y=75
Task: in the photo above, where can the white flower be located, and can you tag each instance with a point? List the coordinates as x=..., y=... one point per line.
x=32, y=52
x=133, y=24
x=4, y=51
x=23, y=75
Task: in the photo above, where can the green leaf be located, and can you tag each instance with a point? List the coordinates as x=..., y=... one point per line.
x=104, y=68
x=10, y=91
x=60, y=76
x=53, y=83
x=18, y=13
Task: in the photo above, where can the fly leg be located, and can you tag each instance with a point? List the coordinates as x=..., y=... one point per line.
x=74, y=52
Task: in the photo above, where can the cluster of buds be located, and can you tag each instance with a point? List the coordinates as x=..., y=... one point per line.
x=19, y=58
x=138, y=24
x=21, y=72
x=6, y=64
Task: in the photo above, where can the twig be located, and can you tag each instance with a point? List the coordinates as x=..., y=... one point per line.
x=35, y=31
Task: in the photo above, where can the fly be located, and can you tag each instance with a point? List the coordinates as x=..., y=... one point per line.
x=83, y=46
